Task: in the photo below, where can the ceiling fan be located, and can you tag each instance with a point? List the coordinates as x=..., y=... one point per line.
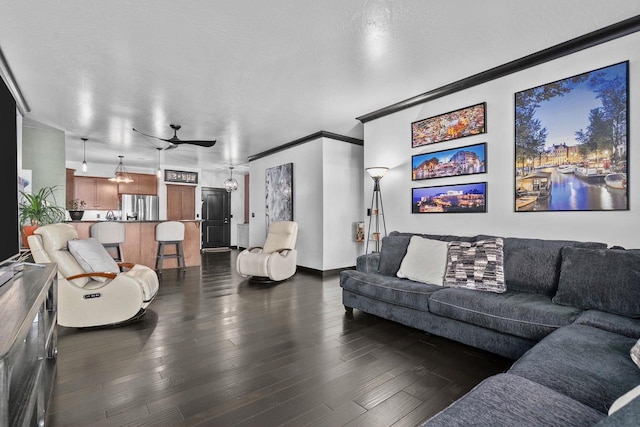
x=174, y=141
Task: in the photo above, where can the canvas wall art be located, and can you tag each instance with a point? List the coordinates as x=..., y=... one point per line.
x=452, y=125
x=279, y=193
x=456, y=198
x=571, y=143
x=467, y=160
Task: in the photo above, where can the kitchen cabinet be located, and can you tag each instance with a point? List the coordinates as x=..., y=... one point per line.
x=70, y=184
x=142, y=184
x=98, y=193
x=181, y=202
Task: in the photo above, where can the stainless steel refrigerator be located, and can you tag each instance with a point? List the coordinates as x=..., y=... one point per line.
x=139, y=207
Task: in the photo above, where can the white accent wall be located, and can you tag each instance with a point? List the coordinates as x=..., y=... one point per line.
x=388, y=143
x=327, y=197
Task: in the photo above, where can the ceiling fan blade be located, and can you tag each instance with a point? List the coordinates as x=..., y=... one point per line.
x=200, y=143
x=150, y=136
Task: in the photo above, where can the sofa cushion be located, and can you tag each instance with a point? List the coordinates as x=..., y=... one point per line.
x=392, y=252
x=425, y=261
x=508, y=400
x=393, y=290
x=441, y=237
x=368, y=263
x=601, y=279
x=533, y=265
x=523, y=314
x=476, y=265
x=611, y=322
x=587, y=364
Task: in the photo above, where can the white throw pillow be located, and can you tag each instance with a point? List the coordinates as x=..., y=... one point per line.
x=635, y=353
x=92, y=257
x=425, y=261
x=624, y=399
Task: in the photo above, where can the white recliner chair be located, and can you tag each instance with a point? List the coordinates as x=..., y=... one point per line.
x=276, y=260
x=86, y=297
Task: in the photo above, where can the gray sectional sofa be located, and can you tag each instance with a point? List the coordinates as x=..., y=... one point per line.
x=569, y=318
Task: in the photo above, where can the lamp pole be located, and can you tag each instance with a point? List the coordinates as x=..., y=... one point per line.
x=377, y=208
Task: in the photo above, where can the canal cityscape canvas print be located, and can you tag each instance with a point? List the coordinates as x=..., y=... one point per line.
x=467, y=160
x=571, y=143
x=456, y=198
x=452, y=125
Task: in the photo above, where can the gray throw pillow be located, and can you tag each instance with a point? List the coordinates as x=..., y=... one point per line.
x=476, y=265
x=392, y=251
x=600, y=279
x=92, y=257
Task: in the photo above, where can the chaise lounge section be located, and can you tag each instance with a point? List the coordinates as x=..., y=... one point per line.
x=568, y=316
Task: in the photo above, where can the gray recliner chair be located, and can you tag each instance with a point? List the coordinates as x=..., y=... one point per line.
x=92, y=298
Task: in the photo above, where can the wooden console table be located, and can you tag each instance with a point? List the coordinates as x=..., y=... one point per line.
x=28, y=345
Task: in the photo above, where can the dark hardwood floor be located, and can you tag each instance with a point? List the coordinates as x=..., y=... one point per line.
x=216, y=350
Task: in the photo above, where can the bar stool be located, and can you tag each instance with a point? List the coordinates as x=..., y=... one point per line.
x=170, y=233
x=111, y=235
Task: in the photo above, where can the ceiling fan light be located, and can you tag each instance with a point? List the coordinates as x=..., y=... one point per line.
x=231, y=184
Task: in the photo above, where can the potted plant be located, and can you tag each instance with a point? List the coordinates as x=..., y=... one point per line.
x=38, y=209
x=76, y=209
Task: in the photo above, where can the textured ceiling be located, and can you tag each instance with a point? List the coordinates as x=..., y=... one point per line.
x=257, y=74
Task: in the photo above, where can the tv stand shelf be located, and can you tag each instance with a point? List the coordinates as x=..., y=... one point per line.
x=28, y=345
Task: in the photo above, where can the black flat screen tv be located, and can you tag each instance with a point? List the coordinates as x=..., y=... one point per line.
x=9, y=227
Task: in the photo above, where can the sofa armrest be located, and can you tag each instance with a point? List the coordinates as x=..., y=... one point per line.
x=368, y=263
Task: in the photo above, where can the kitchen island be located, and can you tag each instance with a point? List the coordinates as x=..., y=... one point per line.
x=140, y=246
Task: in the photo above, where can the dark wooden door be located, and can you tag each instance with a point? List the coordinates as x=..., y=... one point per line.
x=216, y=218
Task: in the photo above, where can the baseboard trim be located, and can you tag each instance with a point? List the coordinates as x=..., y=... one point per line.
x=323, y=273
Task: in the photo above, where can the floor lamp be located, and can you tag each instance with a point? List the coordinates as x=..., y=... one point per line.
x=376, y=210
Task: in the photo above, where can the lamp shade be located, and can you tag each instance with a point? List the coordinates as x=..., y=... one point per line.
x=377, y=171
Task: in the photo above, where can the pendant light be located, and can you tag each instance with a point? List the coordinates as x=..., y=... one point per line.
x=231, y=184
x=84, y=158
x=159, y=171
x=120, y=174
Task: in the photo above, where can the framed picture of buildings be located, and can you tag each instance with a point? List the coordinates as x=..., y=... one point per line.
x=279, y=193
x=455, y=198
x=467, y=160
x=452, y=125
x=571, y=143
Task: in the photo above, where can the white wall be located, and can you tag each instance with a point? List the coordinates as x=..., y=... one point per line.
x=327, y=196
x=342, y=169
x=307, y=199
x=388, y=143
x=43, y=152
